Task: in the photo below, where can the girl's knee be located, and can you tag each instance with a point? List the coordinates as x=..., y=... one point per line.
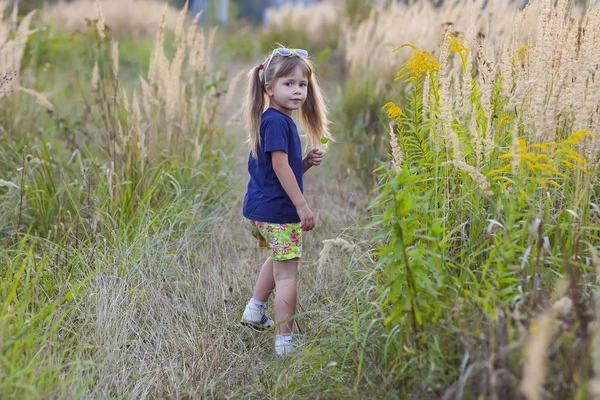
x=283, y=270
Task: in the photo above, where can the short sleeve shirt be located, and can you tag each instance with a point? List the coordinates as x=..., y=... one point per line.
x=265, y=199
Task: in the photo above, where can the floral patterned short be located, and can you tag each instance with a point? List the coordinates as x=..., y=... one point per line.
x=283, y=240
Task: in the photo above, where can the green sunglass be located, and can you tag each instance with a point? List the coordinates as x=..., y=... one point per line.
x=282, y=51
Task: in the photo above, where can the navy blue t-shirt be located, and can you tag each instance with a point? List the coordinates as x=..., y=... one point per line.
x=266, y=200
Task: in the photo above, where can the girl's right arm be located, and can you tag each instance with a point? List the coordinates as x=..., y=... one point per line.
x=288, y=181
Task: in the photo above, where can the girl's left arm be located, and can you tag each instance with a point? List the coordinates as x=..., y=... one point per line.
x=313, y=158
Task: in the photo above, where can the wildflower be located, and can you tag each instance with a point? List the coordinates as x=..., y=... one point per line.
x=533, y=162
x=576, y=137
x=545, y=182
x=506, y=168
x=393, y=111
x=455, y=45
x=544, y=146
x=420, y=62
x=575, y=166
x=520, y=55
x=571, y=158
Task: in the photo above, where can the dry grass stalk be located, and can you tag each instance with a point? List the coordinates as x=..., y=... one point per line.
x=339, y=243
x=95, y=78
x=8, y=184
x=100, y=21
x=115, y=57
x=41, y=99
x=314, y=20
x=396, y=151
x=446, y=105
x=138, y=135
x=534, y=369
x=13, y=38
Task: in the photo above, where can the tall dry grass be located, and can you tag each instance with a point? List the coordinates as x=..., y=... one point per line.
x=316, y=21
x=369, y=47
x=170, y=116
x=125, y=18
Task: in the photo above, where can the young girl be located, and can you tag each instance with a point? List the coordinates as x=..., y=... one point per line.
x=274, y=205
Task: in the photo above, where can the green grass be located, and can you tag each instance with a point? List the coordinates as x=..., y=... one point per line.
x=39, y=345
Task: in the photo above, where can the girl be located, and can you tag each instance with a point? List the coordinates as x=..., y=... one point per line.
x=274, y=204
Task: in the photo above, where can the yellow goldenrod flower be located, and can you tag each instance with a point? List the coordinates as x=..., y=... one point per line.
x=536, y=157
x=420, y=62
x=566, y=151
x=546, y=182
x=506, y=168
x=573, y=155
x=544, y=146
x=530, y=165
x=521, y=54
x=533, y=163
x=455, y=45
x=574, y=166
x=576, y=137
x=548, y=169
x=393, y=111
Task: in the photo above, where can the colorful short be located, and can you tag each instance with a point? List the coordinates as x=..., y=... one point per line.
x=283, y=240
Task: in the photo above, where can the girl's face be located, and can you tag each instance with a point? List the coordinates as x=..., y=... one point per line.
x=288, y=93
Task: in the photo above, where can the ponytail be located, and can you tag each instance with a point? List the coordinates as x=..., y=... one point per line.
x=313, y=115
x=254, y=107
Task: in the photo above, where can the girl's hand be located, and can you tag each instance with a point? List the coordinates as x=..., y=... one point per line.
x=307, y=219
x=314, y=157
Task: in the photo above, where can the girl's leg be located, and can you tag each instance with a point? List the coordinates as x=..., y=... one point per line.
x=265, y=282
x=254, y=313
x=285, y=274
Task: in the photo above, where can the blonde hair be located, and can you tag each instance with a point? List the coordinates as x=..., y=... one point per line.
x=312, y=114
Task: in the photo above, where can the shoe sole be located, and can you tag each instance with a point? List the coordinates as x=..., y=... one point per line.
x=256, y=327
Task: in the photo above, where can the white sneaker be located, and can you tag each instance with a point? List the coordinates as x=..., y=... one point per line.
x=283, y=347
x=256, y=318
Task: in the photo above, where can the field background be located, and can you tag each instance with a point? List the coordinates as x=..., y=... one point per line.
x=456, y=248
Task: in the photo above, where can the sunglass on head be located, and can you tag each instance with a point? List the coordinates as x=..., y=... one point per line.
x=282, y=51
